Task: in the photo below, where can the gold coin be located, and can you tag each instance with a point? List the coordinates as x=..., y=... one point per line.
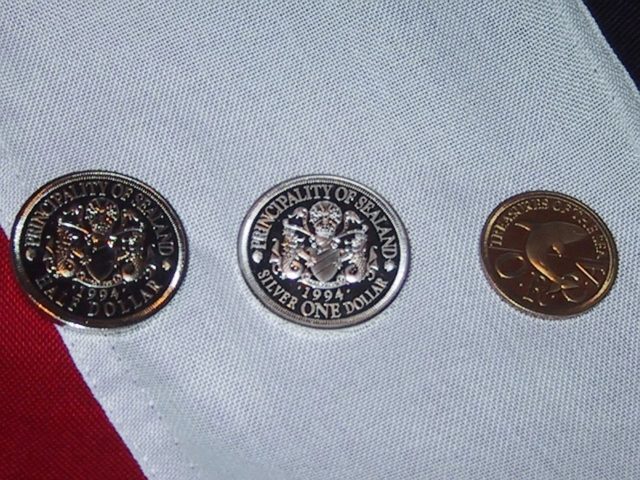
x=549, y=254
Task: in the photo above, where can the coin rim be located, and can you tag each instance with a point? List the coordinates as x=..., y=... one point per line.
x=578, y=308
x=265, y=299
x=78, y=321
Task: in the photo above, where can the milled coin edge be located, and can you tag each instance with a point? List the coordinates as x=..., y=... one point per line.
x=570, y=313
x=77, y=321
x=281, y=312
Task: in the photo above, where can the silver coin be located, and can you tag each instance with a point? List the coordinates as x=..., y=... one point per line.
x=98, y=249
x=323, y=251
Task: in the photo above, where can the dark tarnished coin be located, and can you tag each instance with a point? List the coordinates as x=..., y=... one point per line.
x=549, y=254
x=323, y=251
x=98, y=249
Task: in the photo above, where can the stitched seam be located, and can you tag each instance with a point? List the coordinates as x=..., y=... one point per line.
x=151, y=470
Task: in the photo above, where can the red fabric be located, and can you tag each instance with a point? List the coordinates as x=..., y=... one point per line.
x=51, y=426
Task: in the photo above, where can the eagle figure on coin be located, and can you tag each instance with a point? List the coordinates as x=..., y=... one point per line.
x=323, y=248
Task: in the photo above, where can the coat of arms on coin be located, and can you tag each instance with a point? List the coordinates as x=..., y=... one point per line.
x=549, y=254
x=323, y=251
x=98, y=249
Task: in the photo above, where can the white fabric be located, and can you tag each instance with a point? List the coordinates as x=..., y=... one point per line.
x=443, y=107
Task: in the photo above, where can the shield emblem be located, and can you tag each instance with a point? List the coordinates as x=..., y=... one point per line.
x=101, y=264
x=327, y=264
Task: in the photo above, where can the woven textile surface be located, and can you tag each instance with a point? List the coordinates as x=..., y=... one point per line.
x=445, y=108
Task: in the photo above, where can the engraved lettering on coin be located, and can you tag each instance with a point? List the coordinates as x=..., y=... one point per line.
x=323, y=251
x=98, y=249
x=549, y=254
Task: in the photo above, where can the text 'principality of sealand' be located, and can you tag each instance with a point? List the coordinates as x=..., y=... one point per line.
x=323, y=251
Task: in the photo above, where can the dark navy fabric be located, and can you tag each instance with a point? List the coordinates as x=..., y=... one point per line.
x=619, y=21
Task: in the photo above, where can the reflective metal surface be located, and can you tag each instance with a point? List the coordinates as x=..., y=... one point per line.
x=323, y=251
x=98, y=249
x=548, y=254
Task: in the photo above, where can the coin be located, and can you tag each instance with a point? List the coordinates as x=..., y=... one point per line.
x=98, y=249
x=323, y=251
x=548, y=254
